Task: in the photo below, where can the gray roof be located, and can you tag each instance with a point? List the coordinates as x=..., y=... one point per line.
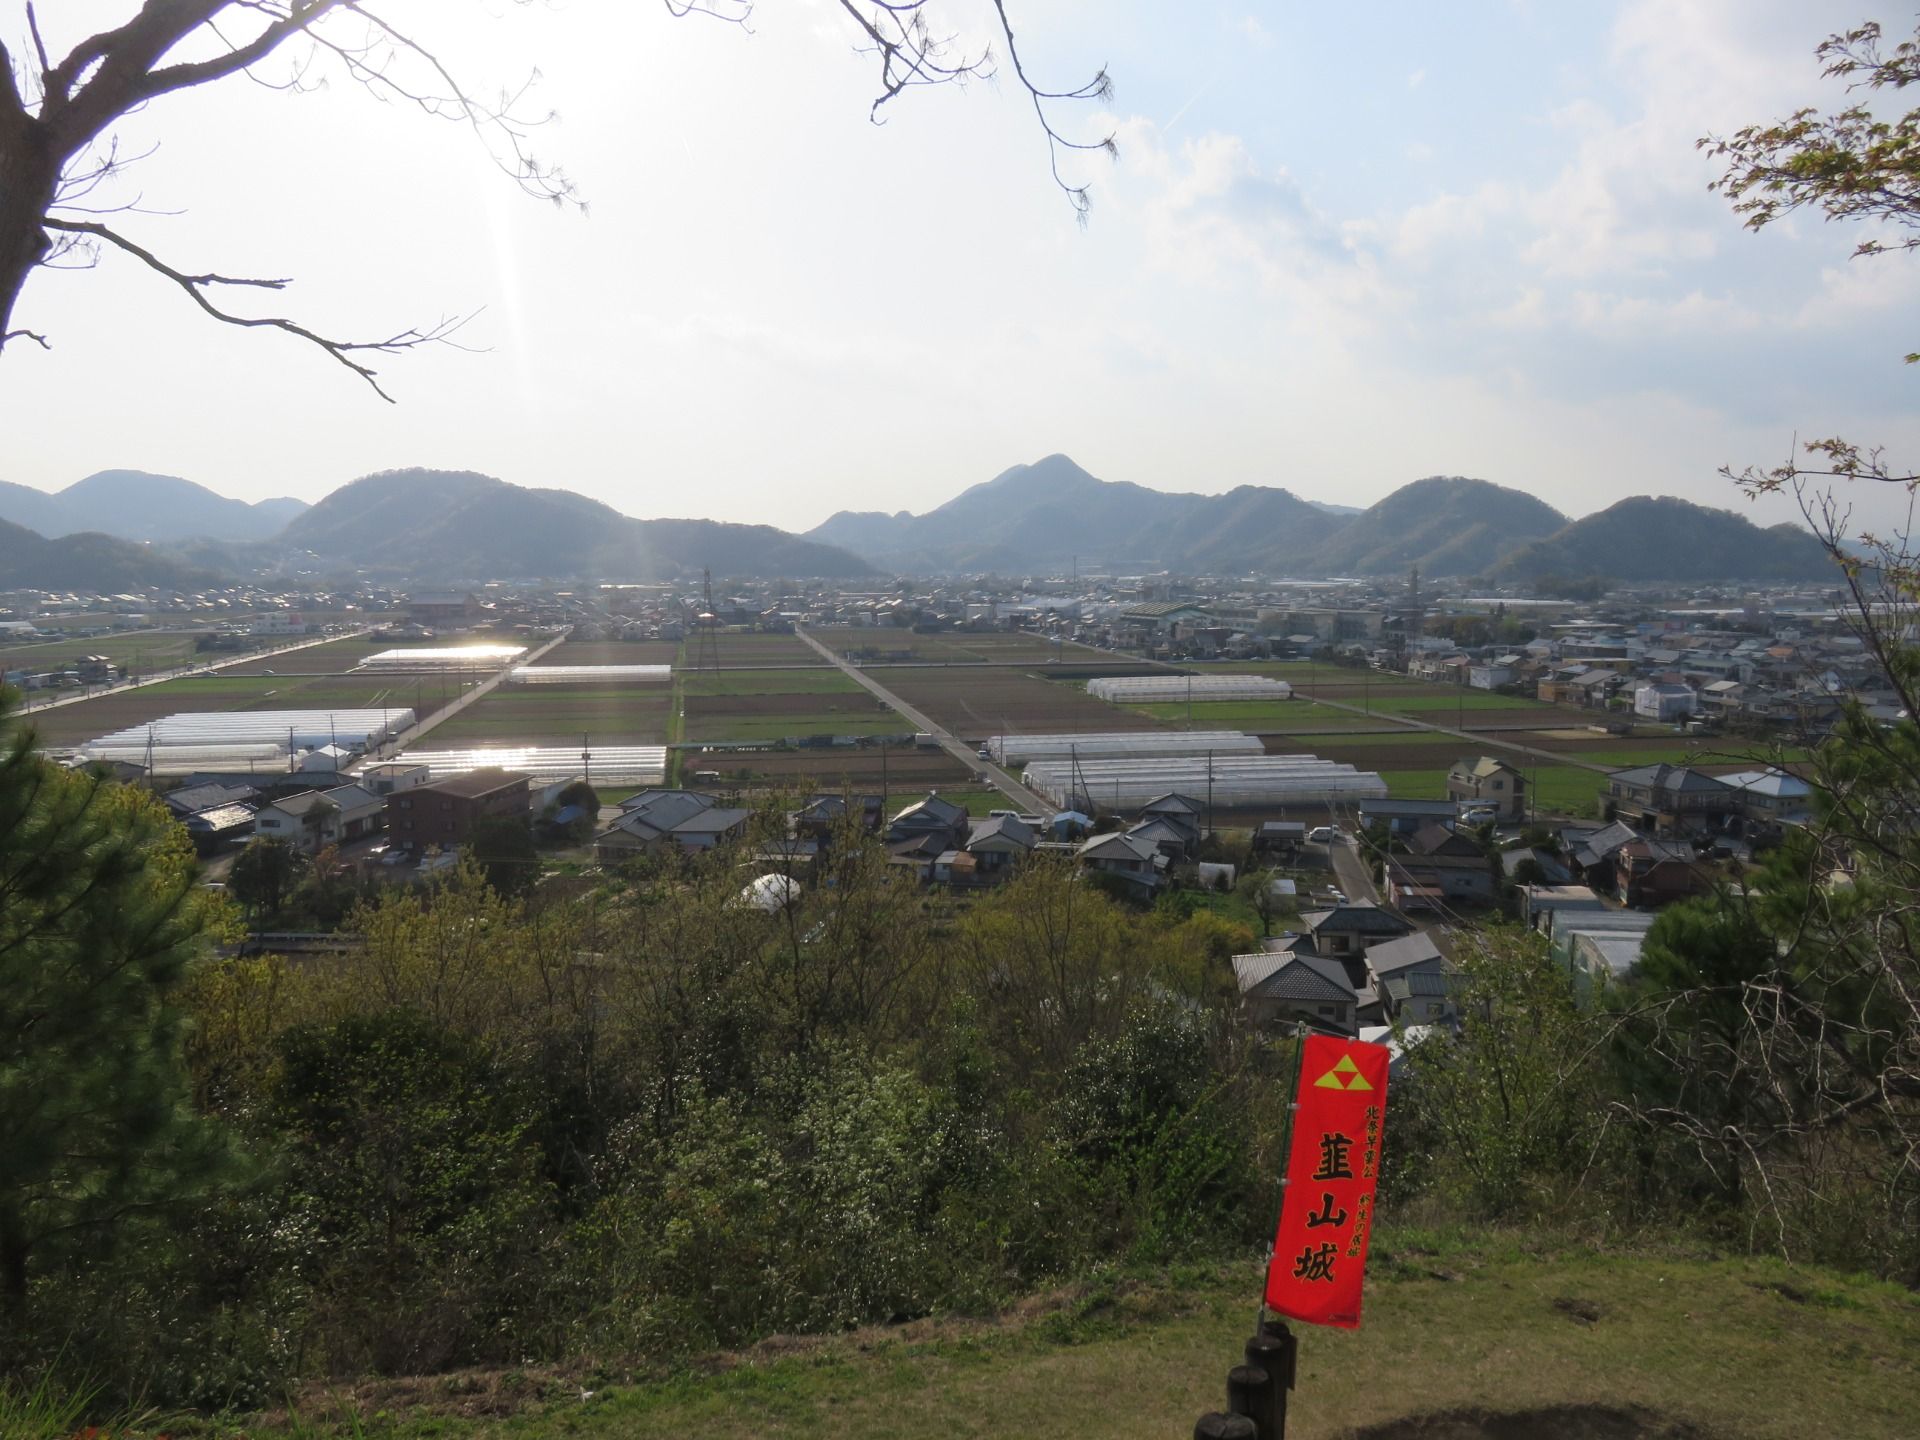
x=1110, y=847
x=1003, y=827
x=221, y=817
x=1390, y=957
x=663, y=809
x=1602, y=843
x=1679, y=779
x=1307, y=977
x=1407, y=809
x=932, y=810
x=715, y=821
x=1423, y=984
x=191, y=798
x=1355, y=920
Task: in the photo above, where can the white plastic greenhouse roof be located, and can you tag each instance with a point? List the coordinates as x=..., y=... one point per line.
x=604, y=764
x=1136, y=689
x=1018, y=749
x=1230, y=780
x=354, y=729
x=460, y=657
x=591, y=674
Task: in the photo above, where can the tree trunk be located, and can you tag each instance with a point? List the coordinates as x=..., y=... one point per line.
x=29, y=175
x=13, y=1266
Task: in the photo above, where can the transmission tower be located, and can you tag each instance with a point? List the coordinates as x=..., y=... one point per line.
x=708, y=655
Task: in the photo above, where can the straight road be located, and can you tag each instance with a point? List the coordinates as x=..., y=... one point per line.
x=185, y=670
x=1023, y=799
x=484, y=688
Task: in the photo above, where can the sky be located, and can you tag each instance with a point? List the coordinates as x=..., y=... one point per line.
x=1342, y=247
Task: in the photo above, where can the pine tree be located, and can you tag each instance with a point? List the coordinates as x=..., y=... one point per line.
x=99, y=919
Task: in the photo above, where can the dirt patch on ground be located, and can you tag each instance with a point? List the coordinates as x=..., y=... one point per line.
x=1551, y=1422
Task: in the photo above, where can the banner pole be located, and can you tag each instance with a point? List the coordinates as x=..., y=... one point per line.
x=1286, y=1150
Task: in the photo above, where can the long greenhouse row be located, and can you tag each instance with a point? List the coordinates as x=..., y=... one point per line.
x=591, y=674
x=1158, y=689
x=282, y=730
x=459, y=657
x=1266, y=780
x=1020, y=749
x=603, y=765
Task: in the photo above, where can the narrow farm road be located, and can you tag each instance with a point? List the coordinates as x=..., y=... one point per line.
x=1022, y=798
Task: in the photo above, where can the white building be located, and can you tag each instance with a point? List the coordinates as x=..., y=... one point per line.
x=1664, y=702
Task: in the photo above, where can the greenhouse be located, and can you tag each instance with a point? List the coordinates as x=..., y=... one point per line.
x=1020, y=749
x=459, y=657
x=1227, y=781
x=1163, y=689
x=603, y=765
x=591, y=674
x=232, y=731
x=191, y=759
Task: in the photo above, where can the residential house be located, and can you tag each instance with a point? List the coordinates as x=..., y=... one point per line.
x=654, y=819
x=1650, y=873
x=1279, y=837
x=193, y=799
x=1663, y=702
x=360, y=811
x=1285, y=987
x=1433, y=883
x=822, y=816
x=1393, y=960
x=1655, y=797
x=1403, y=817
x=932, y=816
x=392, y=776
x=445, y=610
x=1418, y=997
x=1182, y=810
x=1432, y=839
x=443, y=814
x=219, y=827
x=308, y=821
x=1772, y=796
x=1139, y=862
x=1484, y=781
x=998, y=844
x=1167, y=835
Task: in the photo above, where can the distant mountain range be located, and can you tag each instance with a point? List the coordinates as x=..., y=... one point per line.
x=88, y=562
x=442, y=525
x=1052, y=514
x=137, y=506
x=454, y=524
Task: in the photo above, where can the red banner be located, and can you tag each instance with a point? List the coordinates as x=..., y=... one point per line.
x=1326, y=1210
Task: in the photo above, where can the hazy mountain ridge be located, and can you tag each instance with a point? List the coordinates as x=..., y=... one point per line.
x=449, y=524
x=1050, y=513
x=1662, y=537
x=88, y=561
x=1045, y=516
x=139, y=506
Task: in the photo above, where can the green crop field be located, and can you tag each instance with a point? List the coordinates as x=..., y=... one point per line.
x=561, y=715
x=822, y=681
x=875, y=721
x=1264, y=717
x=1430, y=697
x=137, y=650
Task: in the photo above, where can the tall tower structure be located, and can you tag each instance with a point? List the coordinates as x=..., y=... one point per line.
x=707, y=657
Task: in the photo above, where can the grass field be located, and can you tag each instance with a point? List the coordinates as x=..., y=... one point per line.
x=138, y=650
x=1261, y=717
x=901, y=771
x=613, y=652
x=1539, y=1337
x=974, y=704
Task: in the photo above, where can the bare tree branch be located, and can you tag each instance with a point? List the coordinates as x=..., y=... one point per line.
x=197, y=286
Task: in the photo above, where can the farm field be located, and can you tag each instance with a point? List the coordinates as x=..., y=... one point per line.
x=958, y=646
x=776, y=704
x=613, y=652
x=136, y=649
x=331, y=658
x=74, y=724
x=975, y=703
x=825, y=680
x=739, y=651
x=1258, y=717
x=561, y=715
x=902, y=771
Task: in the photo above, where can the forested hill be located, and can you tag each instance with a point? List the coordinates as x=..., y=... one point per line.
x=1665, y=538
x=88, y=562
x=453, y=524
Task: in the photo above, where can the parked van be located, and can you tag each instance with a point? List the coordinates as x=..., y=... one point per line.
x=1323, y=835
